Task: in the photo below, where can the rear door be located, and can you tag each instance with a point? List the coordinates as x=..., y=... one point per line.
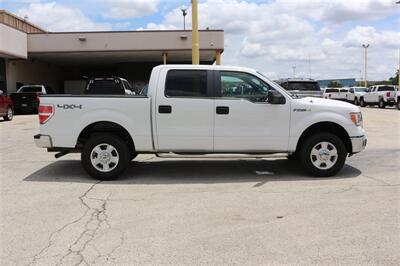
x=244, y=121
x=184, y=111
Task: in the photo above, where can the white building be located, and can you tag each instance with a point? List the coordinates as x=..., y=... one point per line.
x=31, y=55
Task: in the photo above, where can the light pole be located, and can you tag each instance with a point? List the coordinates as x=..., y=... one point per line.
x=294, y=71
x=365, y=46
x=184, y=13
x=195, y=34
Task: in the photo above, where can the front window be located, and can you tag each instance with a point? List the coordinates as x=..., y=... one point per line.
x=243, y=85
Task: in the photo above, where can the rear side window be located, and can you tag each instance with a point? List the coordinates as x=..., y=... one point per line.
x=386, y=88
x=186, y=83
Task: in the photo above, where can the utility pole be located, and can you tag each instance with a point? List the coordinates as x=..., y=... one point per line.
x=195, y=34
x=365, y=46
x=309, y=64
x=398, y=77
x=294, y=71
x=184, y=13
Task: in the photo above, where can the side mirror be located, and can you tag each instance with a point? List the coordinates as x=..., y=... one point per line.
x=275, y=97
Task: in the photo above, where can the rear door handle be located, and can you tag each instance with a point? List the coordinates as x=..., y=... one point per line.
x=222, y=110
x=164, y=109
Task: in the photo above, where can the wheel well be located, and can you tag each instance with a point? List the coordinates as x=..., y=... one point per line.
x=329, y=127
x=106, y=127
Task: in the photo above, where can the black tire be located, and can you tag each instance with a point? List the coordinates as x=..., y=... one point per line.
x=307, y=159
x=356, y=101
x=398, y=104
x=381, y=104
x=362, y=102
x=292, y=157
x=9, y=115
x=122, y=152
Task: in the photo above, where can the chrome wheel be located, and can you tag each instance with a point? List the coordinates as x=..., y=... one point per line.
x=324, y=155
x=104, y=157
x=9, y=113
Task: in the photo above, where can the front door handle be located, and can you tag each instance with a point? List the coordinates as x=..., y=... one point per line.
x=164, y=109
x=222, y=110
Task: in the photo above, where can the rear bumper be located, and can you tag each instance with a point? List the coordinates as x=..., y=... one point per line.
x=43, y=141
x=358, y=143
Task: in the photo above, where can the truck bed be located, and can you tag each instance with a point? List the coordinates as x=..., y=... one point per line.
x=74, y=113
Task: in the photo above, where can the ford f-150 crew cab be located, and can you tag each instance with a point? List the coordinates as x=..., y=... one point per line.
x=382, y=95
x=200, y=110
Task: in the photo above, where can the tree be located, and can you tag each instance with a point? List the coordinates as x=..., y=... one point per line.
x=395, y=80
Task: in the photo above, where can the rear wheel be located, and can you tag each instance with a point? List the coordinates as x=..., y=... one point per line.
x=362, y=102
x=105, y=156
x=9, y=115
x=398, y=104
x=323, y=154
x=381, y=103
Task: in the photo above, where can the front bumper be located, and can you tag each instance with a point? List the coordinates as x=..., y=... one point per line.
x=358, y=143
x=43, y=141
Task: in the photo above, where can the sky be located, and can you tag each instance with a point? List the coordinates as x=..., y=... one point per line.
x=322, y=39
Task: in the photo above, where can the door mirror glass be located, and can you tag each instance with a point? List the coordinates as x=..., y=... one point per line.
x=275, y=97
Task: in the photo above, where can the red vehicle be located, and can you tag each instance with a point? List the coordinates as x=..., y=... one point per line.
x=6, y=107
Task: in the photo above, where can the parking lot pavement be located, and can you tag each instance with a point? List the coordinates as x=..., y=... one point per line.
x=175, y=211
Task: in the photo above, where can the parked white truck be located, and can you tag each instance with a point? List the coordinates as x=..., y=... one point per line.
x=381, y=95
x=198, y=109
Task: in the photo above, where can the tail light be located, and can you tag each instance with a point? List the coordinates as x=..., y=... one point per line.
x=388, y=94
x=46, y=111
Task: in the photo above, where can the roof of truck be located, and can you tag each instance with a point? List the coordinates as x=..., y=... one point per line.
x=211, y=67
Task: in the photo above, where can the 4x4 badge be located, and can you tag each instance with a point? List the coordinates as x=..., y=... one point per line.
x=69, y=106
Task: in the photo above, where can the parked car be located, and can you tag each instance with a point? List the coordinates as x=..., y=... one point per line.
x=355, y=93
x=335, y=93
x=201, y=109
x=381, y=95
x=26, y=99
x=6, y=107
x=301, y=87
x=113, y=85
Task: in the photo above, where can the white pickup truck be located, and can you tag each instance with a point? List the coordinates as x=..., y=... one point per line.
x=382, y=95
x=199, y=109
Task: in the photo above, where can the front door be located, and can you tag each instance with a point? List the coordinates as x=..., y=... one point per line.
x=184, y=112
x=244, y=121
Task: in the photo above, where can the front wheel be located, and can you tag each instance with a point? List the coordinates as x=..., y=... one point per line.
x=323, y=154
x=398, y=104
x=9, y=114
x=105, y=156
x=356, y=101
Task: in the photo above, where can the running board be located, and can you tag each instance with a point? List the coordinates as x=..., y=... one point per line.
x=220, y=155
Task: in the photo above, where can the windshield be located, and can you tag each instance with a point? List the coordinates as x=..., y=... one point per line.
x=30, y=89
x=303, y=86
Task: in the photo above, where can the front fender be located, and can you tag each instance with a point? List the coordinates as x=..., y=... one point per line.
x=304, y=121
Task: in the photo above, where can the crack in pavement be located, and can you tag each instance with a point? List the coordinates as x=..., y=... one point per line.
x=96, y=222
